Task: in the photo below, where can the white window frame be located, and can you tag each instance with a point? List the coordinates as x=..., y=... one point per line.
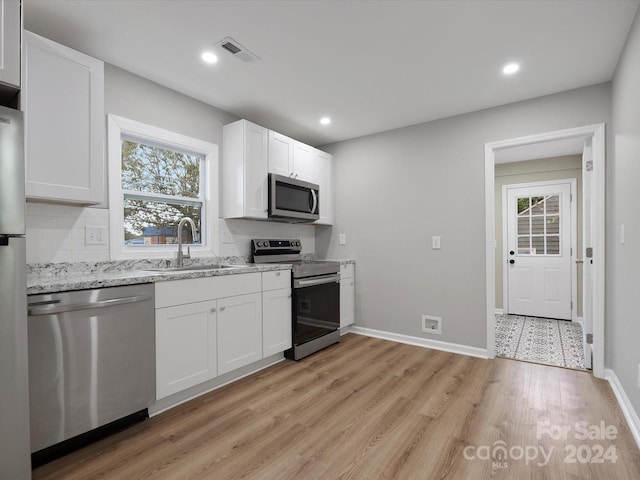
x=119, y=127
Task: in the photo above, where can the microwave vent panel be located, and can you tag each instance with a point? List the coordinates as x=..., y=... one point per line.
x=238, y=51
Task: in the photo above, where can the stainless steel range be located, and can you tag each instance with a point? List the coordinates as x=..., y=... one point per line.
x=316, y=295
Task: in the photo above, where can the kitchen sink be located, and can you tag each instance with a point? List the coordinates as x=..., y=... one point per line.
x=193, y=268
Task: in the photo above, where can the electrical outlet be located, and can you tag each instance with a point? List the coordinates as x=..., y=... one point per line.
x=432, y=324
x=342, y=239
x=95, y=235
x=639, y=375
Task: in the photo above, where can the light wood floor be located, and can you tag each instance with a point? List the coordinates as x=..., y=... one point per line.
x=373, y=409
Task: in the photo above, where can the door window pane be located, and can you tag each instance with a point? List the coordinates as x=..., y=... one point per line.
x=553, y=245
x=523, y=226
x=538, y=225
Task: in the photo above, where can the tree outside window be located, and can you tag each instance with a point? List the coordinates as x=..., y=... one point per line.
x=160, y=186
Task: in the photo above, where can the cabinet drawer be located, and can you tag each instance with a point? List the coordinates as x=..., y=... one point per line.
x=180, y=292
x=346, y=270
x=276, y=280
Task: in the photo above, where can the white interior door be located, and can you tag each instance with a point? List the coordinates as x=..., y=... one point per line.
x=539, y=250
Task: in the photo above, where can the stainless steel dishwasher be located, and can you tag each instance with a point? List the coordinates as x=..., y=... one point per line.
x=91, y=360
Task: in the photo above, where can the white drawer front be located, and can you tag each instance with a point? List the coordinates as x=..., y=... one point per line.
x=276, y=280
x=180, y=292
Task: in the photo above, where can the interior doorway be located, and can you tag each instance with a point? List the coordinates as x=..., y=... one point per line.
x=540, y=241
x=589, y=143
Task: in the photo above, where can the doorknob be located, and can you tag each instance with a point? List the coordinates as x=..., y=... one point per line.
x=512, y=261
x=511, y=252
x=579, y=261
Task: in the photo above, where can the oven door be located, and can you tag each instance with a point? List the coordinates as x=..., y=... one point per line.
x=316, y=307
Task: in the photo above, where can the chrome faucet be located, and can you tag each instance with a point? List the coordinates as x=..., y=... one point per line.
x=182, y=256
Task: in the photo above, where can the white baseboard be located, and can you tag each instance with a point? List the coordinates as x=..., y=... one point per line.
x=421, y=342
x=625, y=404
x=499, y=311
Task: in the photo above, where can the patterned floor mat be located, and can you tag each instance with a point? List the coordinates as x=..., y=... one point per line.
x=540, y=340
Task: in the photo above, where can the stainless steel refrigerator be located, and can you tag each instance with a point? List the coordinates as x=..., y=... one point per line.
x=15, y=460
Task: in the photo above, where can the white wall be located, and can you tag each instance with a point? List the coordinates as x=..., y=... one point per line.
x=55, y=233
x=396, y=189
x=622, y=328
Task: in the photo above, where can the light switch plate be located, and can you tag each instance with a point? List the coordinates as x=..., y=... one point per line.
x=435, y=242
x=342, y=239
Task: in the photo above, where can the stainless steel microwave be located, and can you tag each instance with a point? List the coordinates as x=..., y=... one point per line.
x=293, y=200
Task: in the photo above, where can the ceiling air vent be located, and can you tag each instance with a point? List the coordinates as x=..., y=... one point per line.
x=233, y=47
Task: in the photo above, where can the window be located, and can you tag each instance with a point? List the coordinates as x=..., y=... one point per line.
x=156, y=178
x=539, y=225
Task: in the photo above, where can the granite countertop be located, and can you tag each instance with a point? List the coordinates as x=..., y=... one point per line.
x=61, y=277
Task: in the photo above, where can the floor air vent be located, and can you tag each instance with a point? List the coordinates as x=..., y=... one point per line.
x=233, y=47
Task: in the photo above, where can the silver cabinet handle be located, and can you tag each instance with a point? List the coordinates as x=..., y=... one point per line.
x=277, y=274
x=213, y=310
x=52, y=309
x=222, y=309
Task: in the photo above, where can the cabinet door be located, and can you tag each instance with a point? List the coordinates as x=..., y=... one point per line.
x=244, y=170
x=324, y=174
x=256, y=141
x=276, y=321
x=239, y=331
x=10, y=42
x=347, y=301
x=280, y=154
x=304, y=162
x=64, y=123
x=185, y=346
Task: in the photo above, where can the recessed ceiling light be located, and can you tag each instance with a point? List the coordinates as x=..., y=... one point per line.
x=325, y=120
x=209, y=57
x=510, y=68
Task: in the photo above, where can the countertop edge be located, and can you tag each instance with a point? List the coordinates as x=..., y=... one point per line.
x=62, y=283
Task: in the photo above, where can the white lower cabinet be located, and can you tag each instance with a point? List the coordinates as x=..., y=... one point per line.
x=347, y=295
x=206, y=327
x=276, y=321
x=239, y=331
x=185, y=346
x=276, y=312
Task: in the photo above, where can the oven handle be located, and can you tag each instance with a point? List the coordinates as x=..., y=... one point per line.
x=316, y=281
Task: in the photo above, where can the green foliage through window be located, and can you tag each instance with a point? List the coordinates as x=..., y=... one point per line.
x=161, y=186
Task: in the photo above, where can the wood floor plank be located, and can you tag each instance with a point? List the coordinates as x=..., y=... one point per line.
x=373, y=409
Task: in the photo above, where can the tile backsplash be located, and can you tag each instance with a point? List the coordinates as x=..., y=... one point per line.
x=56, y=233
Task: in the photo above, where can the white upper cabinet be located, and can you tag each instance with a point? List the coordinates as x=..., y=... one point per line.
x=63, y=99
x=291, y=158
x=324, y=174
x=244, y=170
x=280, y=154
x=251, y=152
x=10, y=43
x=304, y=166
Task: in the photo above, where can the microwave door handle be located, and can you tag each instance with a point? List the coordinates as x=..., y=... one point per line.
x=315, y=201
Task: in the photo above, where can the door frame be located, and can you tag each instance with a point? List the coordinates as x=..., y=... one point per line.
x=574, y=239
x=597, y=135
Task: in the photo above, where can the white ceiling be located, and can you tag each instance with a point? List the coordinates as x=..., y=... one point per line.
x=369, y=65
